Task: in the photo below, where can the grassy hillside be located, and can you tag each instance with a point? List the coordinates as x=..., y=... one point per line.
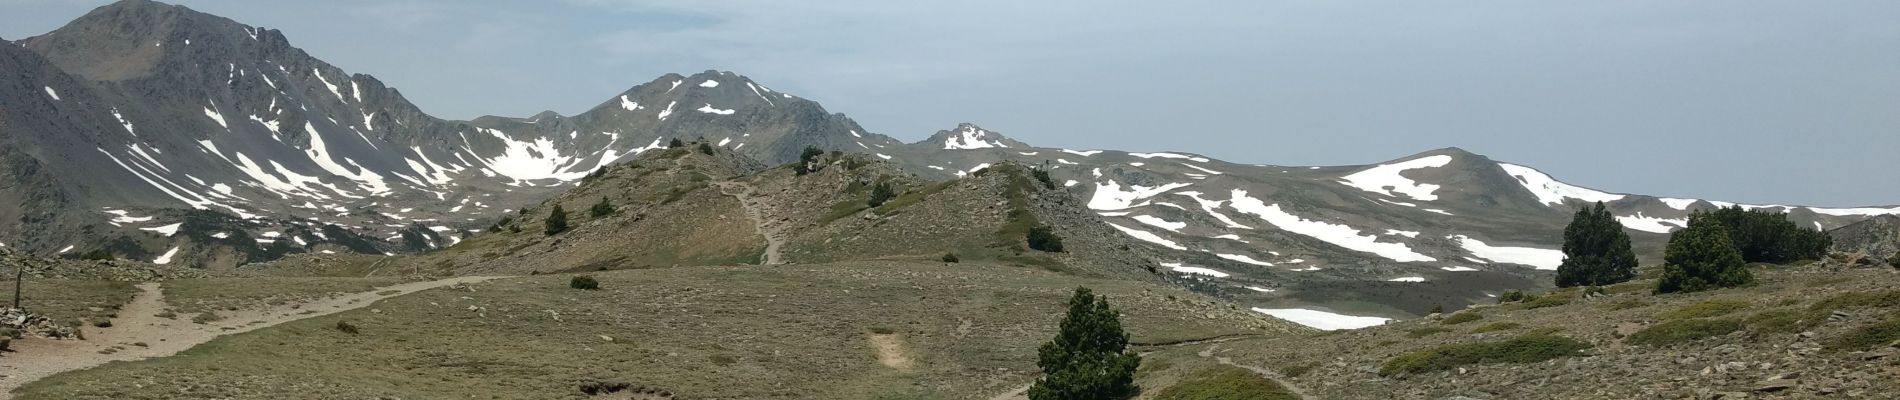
x=854, y=331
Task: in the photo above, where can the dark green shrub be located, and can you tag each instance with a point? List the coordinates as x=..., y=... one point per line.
x=675, y=143
x=1783, y=321
x=1295, y=370
x=882, y=330
x=950, y=257
x=1768, y=236
x=583, y=282
x=1522, y=349
x=5, y=342
x=1438, y=309
x=808, y=160
x=347, y=327
x=557, y=221
x=1701, y=257
x=1088, y=358
x=1042, y=175
x=1683, y=330
x=1042, y=238
x=705, y=148
x=1596, y=250
x=1459, y=318
x=1512, y=296
x=604, y=388
x=601, y=209
x=881, y=193
x=1425, y=331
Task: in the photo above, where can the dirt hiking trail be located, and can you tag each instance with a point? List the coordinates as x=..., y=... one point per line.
x=139, y=333
x=772, y=228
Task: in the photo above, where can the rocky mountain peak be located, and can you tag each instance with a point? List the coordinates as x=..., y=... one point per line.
x=969, y=136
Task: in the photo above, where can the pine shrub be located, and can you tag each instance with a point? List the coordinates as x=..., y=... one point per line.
x=705, y=148
x=1701, y=257
x=557, y=221
x=601, y=209
x=1596, y=250
x=1042, y=238
x=881, y=193
x=675, y=143
x=583, y=282
x=808, y=160
x=1768, y=236
x=1088, y=358
x=950, y=257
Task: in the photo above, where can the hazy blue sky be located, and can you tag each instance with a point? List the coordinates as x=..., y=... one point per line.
x=1765, y=102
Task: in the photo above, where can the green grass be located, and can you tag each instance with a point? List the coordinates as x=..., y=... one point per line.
x=1460, y=318
x=227, y=294
x=912, y=196
x=1497, y=326
x=1848, y=301
x=1867, y=336
x=71, y=302
x=1226, y=383
x=1521, y=349
x=1683, y=330
x=1782, y=321
x=1425, y=331
x=1295, y=370
x=1545, y=301
x=846, y=208
x=1705, y=309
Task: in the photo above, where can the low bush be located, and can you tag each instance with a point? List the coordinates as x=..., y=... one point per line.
x=1683, y=330
x=1705, y=309
x=950, y=257
x=583, y=282
x=1497, y=326
x=1042, y=238
x=1545, y=301
x=1425, y=331
x=1853, y=300
x=347, y=327
x=1521, y=349
x=1867, y=336
x=882, y=330
x=1460, y=318
x=603, y=388
x=705, y=148
x=1513, y=296
x=5, y=342
x=881, y=193
x=1225, y=383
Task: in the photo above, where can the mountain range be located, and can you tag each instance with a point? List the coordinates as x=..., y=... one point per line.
x=156, y=133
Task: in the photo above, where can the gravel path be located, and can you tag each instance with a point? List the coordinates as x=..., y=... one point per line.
x=139, y=333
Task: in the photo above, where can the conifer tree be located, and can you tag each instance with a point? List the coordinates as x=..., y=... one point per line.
x=557, y=221
x=1701, y=257
x=1596, y=250
x=601, y=209
x=1088, y=359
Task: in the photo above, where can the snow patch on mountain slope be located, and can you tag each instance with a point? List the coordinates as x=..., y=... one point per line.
x=1866, y=211
x=52, y=93
x=1652, y=224
x=530, y=160
x=628, y=104
x=1407, y=279
x=1340, y=235
x=1177, y=267
x=708, y=108
x=971, y=138
x=319, y=153
x=1211, y=207
x=1322, y=320
x=1550, y=191
x=1110, y=196
x=217, y=117
x=711, y=83
x=1545, y=259
x=1381, y=177
x=167, y=257
x=1679, y=204
x=1149, y=237
x=1244, y=259
x=1458, y=269
x=1160, y=223
x=668, y=110
x=1084, y=153
x=1170, y=155
x=124, y=217
x=123, y=122
x=166, y=230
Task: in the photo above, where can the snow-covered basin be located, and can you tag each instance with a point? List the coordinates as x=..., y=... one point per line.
x=1322, y=320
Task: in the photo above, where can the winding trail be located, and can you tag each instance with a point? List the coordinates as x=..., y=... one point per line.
x=755, y=208
x=139, y=333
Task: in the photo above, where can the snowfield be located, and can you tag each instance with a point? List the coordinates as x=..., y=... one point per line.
x=1552, y=192
x=1322, y=320
x=1379, y=178
x=1177, y=267
x=1340, y=235
x=1149, y=237
x=1544, y=259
